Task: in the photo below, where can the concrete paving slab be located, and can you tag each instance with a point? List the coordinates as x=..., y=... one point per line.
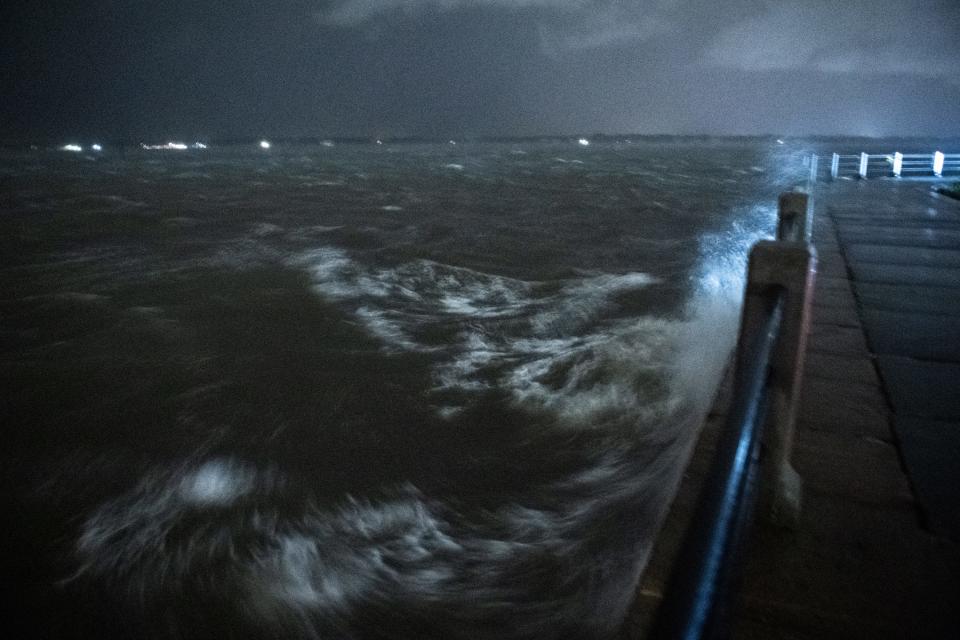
x=834, y=256
x=840, y=315
x=918, y=299
x=826, y=283
x=893, y=217
x=886, y=576
x=926, y=337
x=851, y=467
x=828, y=366
x=885, y=254
x=765, y=620
x=834, y=298
x=824, y=244
x=846, y=448
x=931, y=451
x=848, y=408
x=830, y=338
x=921, y=388
x=831, y=264
x=924, y=237
x=906, y=274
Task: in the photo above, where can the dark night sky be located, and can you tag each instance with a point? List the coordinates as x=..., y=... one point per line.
x=212, y=69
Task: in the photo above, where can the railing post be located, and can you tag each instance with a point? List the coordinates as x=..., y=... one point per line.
x=864, y=160
x=897, y=164
x=814, y=166
x=789, y=266
x=834, y=166
x=938, y=163
x=794, y=219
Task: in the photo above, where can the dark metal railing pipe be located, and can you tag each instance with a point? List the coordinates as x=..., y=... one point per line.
x=695, y=597
x=767, y=374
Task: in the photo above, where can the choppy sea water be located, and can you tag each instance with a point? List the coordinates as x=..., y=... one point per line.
x=398, y=391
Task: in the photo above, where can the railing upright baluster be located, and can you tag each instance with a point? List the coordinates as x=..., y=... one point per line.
x=789, y=266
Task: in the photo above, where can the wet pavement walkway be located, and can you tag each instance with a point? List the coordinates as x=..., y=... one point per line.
x=904, y=258
x=878, y=435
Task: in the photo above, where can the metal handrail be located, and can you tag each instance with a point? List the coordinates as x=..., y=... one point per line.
x=697, y=596
x=767, y=375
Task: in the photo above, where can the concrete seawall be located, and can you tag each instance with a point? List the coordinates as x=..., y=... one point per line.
x=878, y=436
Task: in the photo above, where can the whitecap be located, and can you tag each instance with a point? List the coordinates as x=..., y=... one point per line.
x=216, y=482
x=307, y=572
x=266, y=229
x=512, y=334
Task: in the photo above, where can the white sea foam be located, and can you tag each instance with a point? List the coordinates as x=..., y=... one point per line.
x=211, y=530
x=380, y=324
x=120, y=201
x=262, y=229
x=533, y=341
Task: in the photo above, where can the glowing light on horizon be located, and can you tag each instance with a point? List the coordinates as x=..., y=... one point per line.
x=75, y=148
x=583, y=142
x=264, y=144
x=198, y=145
x=96, y=147
x=175, y=146
x=327, y=143
x=779, y=141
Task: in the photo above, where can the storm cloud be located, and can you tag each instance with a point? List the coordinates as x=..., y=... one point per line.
x=859, y=36
x=560, y=24
x=910, y=38
x=480, y=67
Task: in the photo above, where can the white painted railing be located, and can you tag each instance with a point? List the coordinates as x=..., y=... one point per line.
x=895, y=165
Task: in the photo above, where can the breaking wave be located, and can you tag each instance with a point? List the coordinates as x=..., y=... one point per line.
x=543, y=341
x=235, y=542
x=403, y=565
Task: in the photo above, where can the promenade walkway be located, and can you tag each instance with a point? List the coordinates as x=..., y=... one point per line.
x=877, y=441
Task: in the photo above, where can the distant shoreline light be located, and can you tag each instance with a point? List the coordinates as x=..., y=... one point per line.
x=74, y=148
x=178, y=146
x=265, y=144
x=174, y=146
x=583, y=142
